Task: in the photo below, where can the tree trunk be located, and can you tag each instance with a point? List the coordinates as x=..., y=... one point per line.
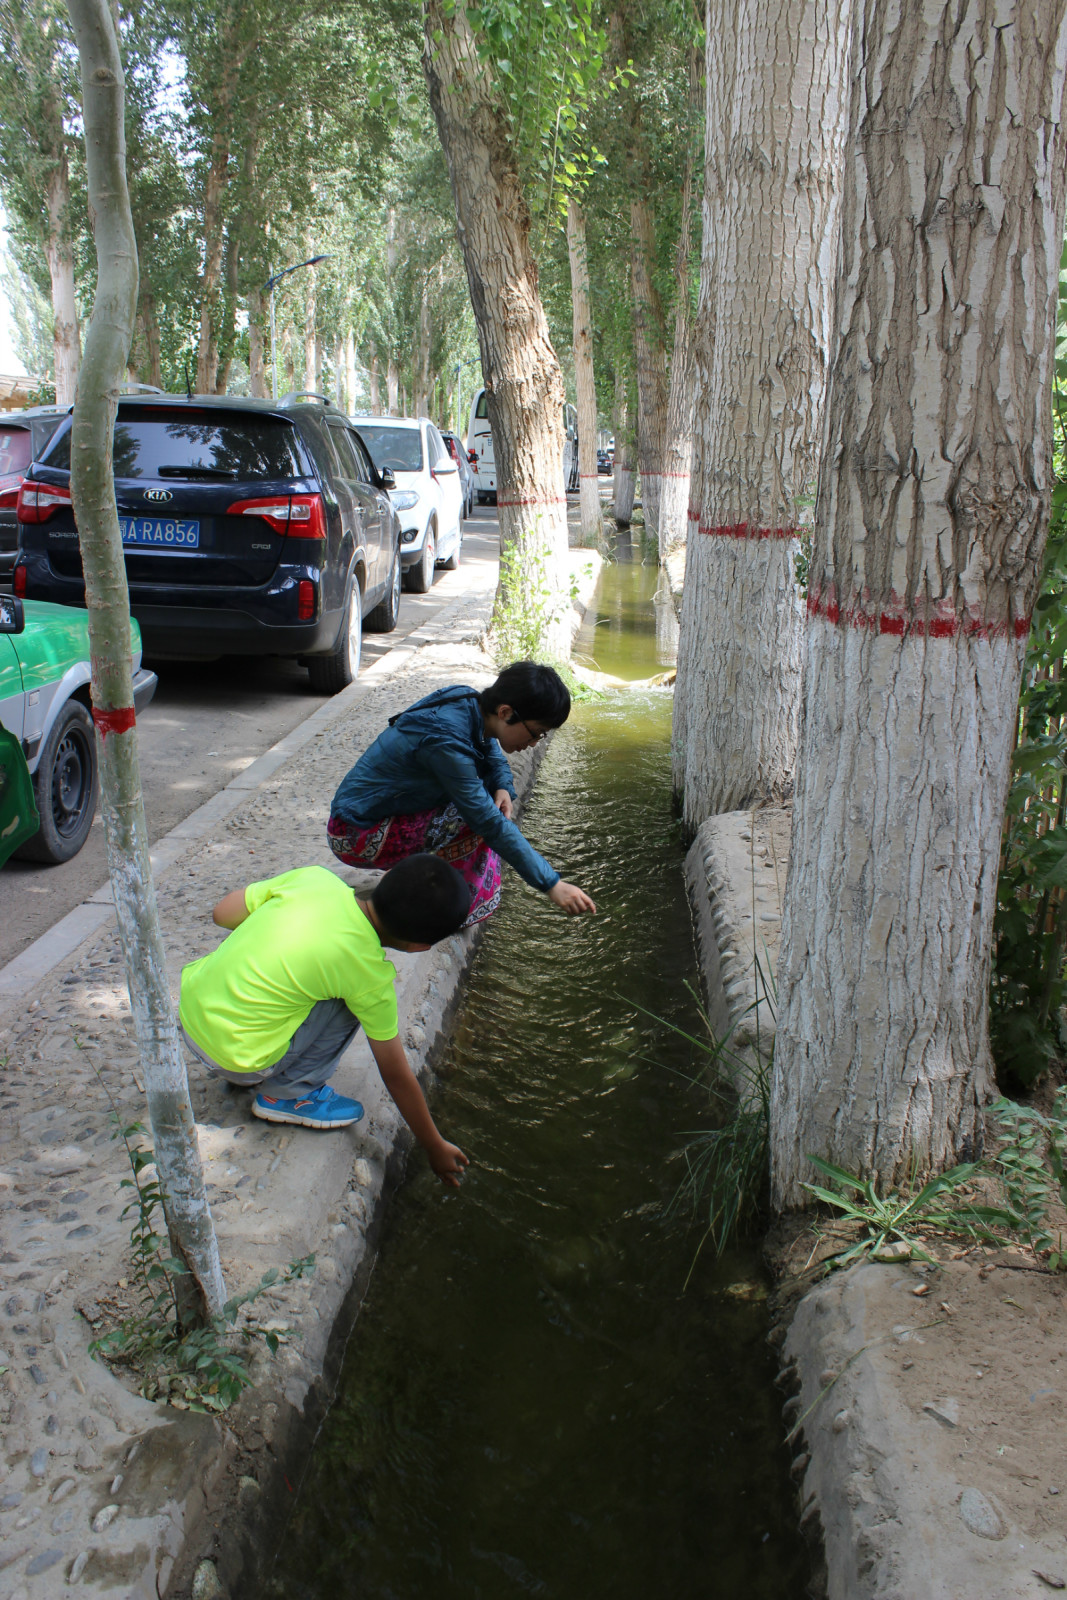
x=762, y=343
x=392, y=387
x=678, y=437
x=931, y=522
x=650, y=358
x=588, y=477
x=60, y=256
x=177, y=1154
x=375, y=386
x=311, y=381
x=217, y=177
x=257, y=366
x=523, y=383
x=227, y=334
x=422, y=391
x=150, y=324
x=624, y=480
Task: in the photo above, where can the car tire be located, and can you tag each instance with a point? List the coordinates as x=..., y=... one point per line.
x=420, y=576
x=452, y=562
x=331, y=673
x=65, y=787
x=383, y=618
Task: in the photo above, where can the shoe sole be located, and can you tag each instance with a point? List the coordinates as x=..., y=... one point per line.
x=304, y=1122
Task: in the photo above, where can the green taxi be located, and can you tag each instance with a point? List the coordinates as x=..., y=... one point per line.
x=47, y=738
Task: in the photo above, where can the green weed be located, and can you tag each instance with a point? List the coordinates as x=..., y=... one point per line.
x=1032, y=1168
x=900, y=1217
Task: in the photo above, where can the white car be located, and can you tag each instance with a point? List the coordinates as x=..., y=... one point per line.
x=428, y=498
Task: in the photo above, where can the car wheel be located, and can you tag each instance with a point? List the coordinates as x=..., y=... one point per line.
x=420, y=575
x=453, y=560
x=331, y=673
x=383, y=618
x=65, y=788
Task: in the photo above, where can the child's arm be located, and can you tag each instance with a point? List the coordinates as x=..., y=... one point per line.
x=231, y=910
x=445, y=1159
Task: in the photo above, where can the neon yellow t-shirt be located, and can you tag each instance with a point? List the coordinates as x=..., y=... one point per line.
x=305, y=940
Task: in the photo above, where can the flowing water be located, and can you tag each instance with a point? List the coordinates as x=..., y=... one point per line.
x=533, y=1402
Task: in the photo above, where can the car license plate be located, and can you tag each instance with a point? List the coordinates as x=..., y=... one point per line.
x=163, y=533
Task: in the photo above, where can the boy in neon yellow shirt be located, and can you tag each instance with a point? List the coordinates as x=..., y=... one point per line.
x=280, y=1000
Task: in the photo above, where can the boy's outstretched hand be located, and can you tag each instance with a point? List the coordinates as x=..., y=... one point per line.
x=448, y=1161
x=570, y=898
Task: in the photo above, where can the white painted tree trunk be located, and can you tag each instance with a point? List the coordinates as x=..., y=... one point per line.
x=584, y=378
x=392, y=387
x=650, y=359
x=625, y=483
x=92, y=484
x=60, y=255
x=673, y=526
x=932, y=514
x=523, y=383
x=374, y=381
x=773, y=151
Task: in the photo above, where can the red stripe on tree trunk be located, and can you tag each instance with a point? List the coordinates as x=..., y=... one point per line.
x=739, y=530
x=560, y=500
x=120, y=721
x=937, y=619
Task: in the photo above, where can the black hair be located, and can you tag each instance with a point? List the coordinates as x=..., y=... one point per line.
x=534, y=692
x=421, y=900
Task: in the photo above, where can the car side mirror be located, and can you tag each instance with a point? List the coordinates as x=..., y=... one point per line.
x=12, y=615
x=388, y=478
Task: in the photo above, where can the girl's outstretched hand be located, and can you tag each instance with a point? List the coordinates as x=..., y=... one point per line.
x=570, y=898
x=448, y=1161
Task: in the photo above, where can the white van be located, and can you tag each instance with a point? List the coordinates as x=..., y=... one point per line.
x=480, y=440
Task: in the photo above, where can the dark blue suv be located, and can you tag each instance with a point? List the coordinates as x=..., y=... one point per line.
x=250, y=527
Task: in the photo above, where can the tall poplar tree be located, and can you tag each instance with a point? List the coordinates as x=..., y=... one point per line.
x=932, y=515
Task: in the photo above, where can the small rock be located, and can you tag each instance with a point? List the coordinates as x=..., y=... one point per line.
x=9, y=1554
x=85, y=1457
x=104, y=1518
x=948, y=1308
x=86, y=1231
x=78, y=1566
x=841, y=1421
x=1052, y=1579
x=1052, y=1489
x=64, y=1521
x=206, y=1583
x=116, y=1483
x=892, y=1250
x=46, y=1559
x=827, y=1377
x=39, y=1463
x=907, y=1363
x=946, y=1411
x=37, y=1375
x=8, y=1502
x=52, y=1425
x=920, y=1289
x=88, y=1426
x=64, y=1487
x=980, y=1516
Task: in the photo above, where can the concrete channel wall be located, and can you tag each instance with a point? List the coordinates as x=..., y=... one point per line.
x=102, y=1490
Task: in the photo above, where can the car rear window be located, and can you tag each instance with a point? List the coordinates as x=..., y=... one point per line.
x=16, y=450
x=191, y=444
x=399, y=448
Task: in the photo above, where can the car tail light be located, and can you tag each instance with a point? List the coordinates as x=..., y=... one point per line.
x=301, y=516
x=37, y=501
x=18, y=582
x=9, y=491
x=305, y=600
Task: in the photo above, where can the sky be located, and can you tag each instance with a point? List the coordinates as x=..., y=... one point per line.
x=9, y=361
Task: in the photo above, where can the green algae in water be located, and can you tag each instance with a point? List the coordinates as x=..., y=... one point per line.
x=530, y=1405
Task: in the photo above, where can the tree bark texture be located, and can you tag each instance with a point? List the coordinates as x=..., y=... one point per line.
x=625, y=482
x=650, y=359
x=523, y=383
x=932, y=513
x=174, y=1138
x=59, y=253
x=258, y=380
x=776, y=87
x=678, y=434
x=374, y=383
x=584, y=378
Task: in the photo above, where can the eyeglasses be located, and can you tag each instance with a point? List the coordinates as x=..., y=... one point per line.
x=535, y=734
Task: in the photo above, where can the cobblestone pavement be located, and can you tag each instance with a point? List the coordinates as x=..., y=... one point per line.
x=98, y=1487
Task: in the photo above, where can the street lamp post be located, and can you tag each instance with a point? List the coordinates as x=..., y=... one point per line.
x=269, y=288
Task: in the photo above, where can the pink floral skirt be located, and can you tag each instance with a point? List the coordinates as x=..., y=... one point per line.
x=442, y=832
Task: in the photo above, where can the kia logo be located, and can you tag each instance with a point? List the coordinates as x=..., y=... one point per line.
x=158, y=494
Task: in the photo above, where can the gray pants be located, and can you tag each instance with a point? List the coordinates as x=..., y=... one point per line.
x=310, y=1061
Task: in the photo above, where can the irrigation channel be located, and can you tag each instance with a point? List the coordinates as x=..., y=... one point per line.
x=532, y=1401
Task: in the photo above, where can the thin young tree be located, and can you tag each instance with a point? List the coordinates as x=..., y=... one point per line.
x=774, y=135
x=931, y=521
x=92, y=484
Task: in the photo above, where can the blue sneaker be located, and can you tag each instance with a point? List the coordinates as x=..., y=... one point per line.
x=322, y=1109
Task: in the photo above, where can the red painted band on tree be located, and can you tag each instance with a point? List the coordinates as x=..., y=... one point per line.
x=536, y=500
x=937, y=619
x=120, y=721
x=741, y=530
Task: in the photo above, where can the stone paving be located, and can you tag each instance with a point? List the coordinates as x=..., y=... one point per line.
x=99, y=1488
